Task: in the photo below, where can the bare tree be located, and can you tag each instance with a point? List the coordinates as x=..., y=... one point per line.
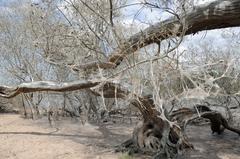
x=90, y=45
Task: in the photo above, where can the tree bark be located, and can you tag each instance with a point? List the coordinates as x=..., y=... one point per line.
x=216, y=15
x=9, y=92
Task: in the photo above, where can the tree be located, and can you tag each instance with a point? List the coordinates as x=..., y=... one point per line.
x=163, y=66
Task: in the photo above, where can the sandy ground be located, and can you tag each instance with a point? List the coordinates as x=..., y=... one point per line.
x=27, y=139
x=208, y=146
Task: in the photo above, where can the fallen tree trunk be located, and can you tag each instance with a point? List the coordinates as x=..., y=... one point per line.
x=9, y=92
x=109, y=89
x=218, y=123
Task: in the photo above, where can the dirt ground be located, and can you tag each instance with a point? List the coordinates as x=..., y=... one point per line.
x=68, y=139
x=208, y=146
x=27, y=139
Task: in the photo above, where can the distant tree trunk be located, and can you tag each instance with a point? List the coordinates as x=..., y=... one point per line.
x=24, y=107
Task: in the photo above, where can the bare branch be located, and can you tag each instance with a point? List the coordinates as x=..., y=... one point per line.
x=9, y=92
x=216, y=15
x=111, y=12
x=109, y=89
x=93, y=65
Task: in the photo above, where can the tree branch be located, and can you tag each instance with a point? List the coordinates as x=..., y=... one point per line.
x=109, y=89
x=9, y=92
x=216, y=15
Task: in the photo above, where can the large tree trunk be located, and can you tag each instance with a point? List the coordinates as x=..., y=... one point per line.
x=216, y=15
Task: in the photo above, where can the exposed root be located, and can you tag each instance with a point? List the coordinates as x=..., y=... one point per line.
x=150, y=138
x=156, y=135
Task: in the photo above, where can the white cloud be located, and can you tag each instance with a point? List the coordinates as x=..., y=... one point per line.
x=202, y=2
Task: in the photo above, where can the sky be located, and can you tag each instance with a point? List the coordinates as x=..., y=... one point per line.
x=150, y=16
x=6, y=2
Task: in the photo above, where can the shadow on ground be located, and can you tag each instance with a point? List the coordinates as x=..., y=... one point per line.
x=99, y=139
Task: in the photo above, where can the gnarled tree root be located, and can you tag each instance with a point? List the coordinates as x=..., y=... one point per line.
x=150, y=139
x=155, y=135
